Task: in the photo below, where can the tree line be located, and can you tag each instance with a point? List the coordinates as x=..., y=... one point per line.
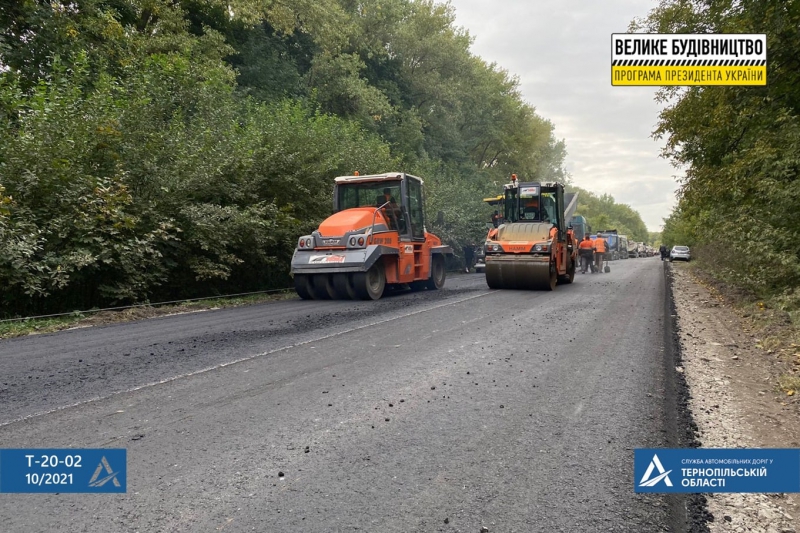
x=602, y=212
x=159, y=149
x=740, y=196
x=154, y=149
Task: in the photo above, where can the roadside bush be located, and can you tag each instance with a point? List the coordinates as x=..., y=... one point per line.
x=128, y=192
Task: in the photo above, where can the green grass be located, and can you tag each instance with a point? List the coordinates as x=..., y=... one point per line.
x=789, y=383
x=41, y=325
x=20, y=328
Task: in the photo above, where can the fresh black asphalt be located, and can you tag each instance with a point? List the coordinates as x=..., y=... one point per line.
x=445, y=410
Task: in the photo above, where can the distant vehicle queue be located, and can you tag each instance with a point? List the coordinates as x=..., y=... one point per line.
x=619, y=247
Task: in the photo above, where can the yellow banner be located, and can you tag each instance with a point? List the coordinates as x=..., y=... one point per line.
x=688, y=75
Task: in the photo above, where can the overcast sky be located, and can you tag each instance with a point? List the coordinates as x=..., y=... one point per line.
x=561, y=52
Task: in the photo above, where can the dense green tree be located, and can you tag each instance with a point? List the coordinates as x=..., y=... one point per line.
x=165, y=148
x=738, y=146
x=602, y=212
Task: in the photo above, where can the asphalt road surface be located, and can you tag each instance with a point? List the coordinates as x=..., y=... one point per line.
x=445, y=410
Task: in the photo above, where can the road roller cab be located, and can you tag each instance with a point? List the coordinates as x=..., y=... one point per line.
x=376, y=236
x=535, y=247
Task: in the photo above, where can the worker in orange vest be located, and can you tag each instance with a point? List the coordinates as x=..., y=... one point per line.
x=600, y=249
x=586, y=251
x=531, y=210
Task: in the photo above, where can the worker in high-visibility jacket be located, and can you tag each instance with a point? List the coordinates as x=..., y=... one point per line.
x=586, y=251
x=600, y=249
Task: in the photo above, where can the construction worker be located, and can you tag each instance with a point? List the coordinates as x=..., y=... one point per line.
x=600, y=249
x=495, y=218
x=386, y=197
x=664, y=252
x=531, y=210
x=469, y=255
x=392, y=210
x=586, y=251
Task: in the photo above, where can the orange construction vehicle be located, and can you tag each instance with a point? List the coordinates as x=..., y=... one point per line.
x=375, y=237
x=534, y=248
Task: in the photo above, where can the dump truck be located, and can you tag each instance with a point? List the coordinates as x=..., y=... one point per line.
x=622, y=252
x=612, y=238
x=375, y=237
x=580, y=226
x=533, y=248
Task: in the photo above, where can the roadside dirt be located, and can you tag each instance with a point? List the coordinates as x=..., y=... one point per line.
x=735, y=398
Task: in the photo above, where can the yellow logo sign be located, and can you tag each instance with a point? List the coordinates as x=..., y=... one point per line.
x=688, y=59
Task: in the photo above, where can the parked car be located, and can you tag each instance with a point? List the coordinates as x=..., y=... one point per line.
x=680, y=252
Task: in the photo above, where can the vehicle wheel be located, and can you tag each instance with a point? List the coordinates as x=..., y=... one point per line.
x=551, y=286
x=369, y=285
x=302, y=286
x=329, y=288
x=670, y=260
x=343, y=287
x=438, y=274
x=569, y=276
x=318, y=286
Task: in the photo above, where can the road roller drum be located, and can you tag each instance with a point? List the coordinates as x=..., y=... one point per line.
x=533, y=247
x=521, y=272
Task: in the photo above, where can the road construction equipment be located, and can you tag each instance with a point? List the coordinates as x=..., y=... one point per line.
x=613, y=240
x=376, y=237
x=580, y=226
x=622, y=253
x=534, y=248
x=634, y=249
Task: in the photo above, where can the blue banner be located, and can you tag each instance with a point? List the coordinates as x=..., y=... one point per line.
x=95, y=470
x=716, y=470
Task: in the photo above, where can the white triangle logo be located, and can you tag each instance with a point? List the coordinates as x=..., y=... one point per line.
x=655, y=464
x=98, y=481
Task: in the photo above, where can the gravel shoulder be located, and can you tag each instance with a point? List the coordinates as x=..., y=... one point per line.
x=734, y=400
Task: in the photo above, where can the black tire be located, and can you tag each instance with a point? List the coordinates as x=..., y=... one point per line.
x=569, y=277
x=438, y=274
x=318, y=286
x=553, y=281
x=302, y=286
x=370, y=285
x=343, y=287
x=331, y=290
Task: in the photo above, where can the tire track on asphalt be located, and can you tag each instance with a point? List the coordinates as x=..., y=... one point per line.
x=240, y=360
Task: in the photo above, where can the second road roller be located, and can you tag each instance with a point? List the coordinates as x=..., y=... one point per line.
x=375, y=237
x=534, y=247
